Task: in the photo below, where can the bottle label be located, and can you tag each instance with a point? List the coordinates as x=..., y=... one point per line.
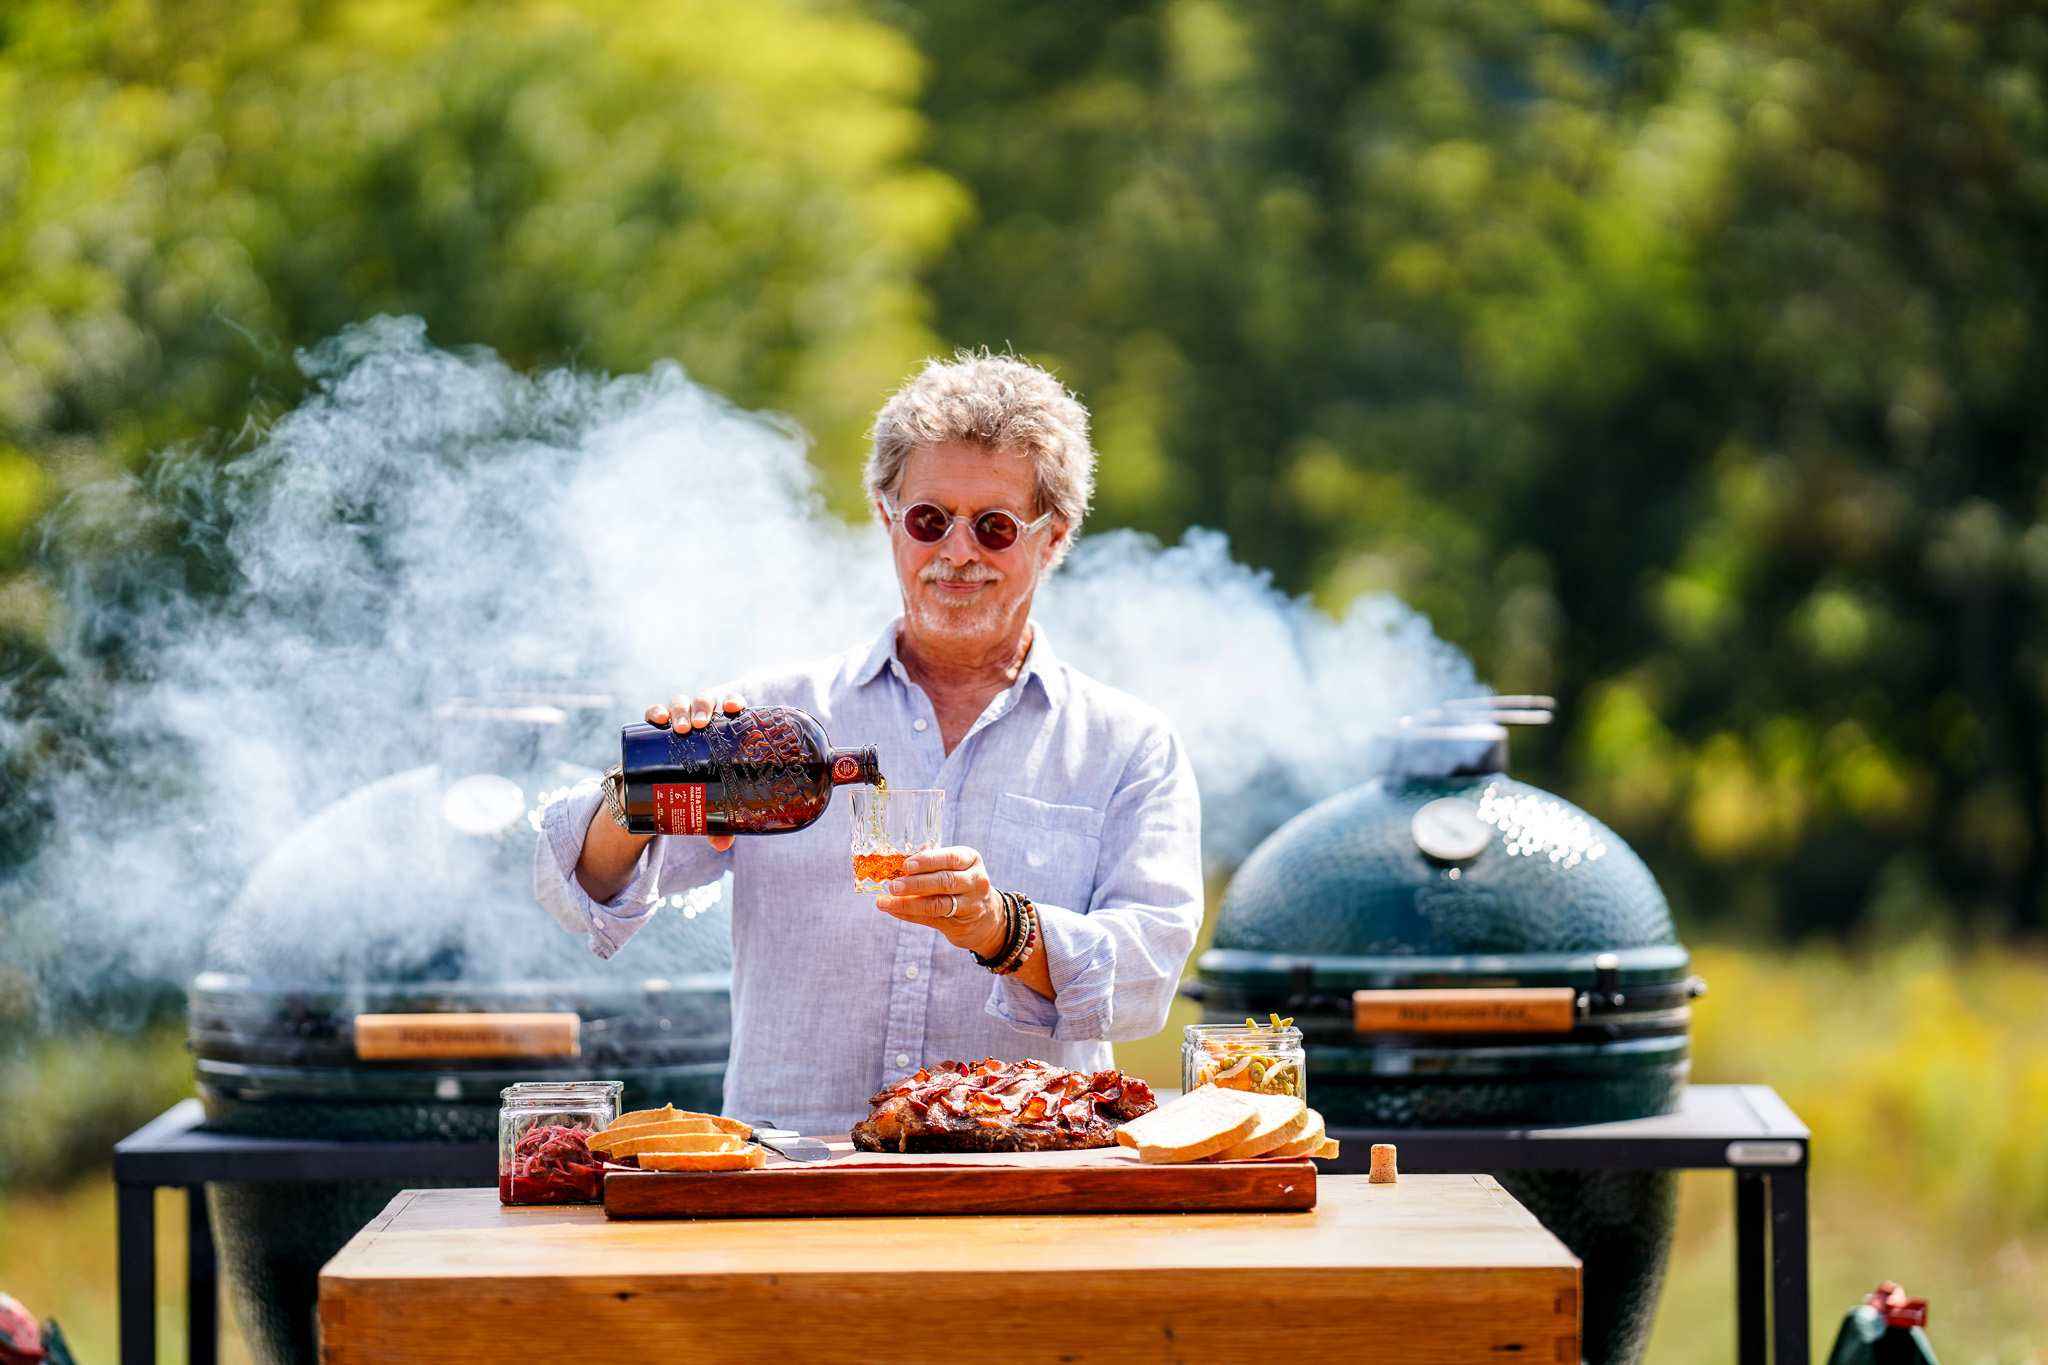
x=679, y=808
x=845, y=769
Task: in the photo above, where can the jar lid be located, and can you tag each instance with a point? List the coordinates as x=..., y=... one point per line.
x=562, y=1090
x=1249, y=1032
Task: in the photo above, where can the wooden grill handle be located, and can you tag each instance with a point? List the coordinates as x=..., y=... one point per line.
x=1496, y=1009
x=394, y=1036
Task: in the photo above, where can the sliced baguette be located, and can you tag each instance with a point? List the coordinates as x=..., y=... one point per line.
x=670, y=1114
x=676, y=1142
x=1200, y=1123
x=721, y=1123
x=747, y=1157
x=682, y=1122
x=1281, y=1120
x=640, y=1116
x=1306, y=1144
x=612, y=1137
x=1327, y=1150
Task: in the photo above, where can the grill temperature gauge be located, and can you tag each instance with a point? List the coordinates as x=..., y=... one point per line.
x=1449, y=830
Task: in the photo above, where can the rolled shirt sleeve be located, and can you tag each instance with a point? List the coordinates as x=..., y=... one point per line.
x=1115, y=965
x=608, y=924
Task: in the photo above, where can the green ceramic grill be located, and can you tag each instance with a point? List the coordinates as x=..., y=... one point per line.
x=1461, y=949
x=414, y=895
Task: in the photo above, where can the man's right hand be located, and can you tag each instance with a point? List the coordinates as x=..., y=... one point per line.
x=610, y=854
x=697, y=709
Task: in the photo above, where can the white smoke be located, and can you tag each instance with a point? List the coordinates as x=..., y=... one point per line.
x=431, y=526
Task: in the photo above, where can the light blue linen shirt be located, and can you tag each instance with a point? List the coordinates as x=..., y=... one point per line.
x=1075, y=794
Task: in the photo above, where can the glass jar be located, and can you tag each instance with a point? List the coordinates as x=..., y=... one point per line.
x=1256, y=1057
x=544, y=1130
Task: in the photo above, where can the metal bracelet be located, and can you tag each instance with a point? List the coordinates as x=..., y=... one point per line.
x=613, y=781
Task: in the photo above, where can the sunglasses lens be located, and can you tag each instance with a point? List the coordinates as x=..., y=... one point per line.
x=927, y=524
x=996, y=530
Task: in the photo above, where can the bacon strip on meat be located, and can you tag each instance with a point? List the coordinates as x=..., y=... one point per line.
x=992, y=1106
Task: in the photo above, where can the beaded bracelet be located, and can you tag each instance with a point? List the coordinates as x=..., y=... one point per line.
x=1012, y=923
x=1014, y=961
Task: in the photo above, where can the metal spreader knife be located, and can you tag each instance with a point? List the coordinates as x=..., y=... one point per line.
x=790, y=1145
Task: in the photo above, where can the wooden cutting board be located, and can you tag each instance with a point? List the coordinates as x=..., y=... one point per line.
x=857, y=1184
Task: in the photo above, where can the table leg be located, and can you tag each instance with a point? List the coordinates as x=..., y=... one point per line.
x=135, y=1238
x=202, y=1289
x=1752, y=1268
x=1791, y=1334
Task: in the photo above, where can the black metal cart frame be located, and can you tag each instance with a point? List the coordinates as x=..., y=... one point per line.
x=172, y=1150
x=1743, y=1128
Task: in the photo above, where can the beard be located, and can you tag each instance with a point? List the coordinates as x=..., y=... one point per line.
x=984, y=616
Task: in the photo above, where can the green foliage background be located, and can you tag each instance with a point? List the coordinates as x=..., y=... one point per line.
x=1679, y=358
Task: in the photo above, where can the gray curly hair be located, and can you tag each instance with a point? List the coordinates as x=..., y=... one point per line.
x=1000, y=402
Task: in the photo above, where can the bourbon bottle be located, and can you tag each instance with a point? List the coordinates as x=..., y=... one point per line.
x=764, y=770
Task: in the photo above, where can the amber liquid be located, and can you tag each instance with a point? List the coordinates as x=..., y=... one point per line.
x=878, y=867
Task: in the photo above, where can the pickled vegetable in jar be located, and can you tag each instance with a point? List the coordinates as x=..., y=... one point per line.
x=544, y=1131
x=1264, y=1059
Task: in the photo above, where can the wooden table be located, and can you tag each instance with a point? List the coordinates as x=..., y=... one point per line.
x=1435, y=1268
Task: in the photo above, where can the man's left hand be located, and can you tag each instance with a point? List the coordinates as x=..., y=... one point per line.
x=949, y=889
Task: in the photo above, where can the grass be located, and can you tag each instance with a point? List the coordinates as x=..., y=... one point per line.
x=57, y=1257
x=1924, y=1077
x=1923, y=1073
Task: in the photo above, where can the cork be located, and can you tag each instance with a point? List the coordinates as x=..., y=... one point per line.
x=1383, y=1172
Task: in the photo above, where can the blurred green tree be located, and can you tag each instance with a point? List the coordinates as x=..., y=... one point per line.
x=1678, y=359
x=190, y=191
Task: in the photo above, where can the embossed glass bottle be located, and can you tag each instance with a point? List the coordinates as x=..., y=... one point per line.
x=764, y=770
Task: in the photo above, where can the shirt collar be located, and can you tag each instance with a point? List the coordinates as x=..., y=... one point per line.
x=881, y=655
x=1040, y=664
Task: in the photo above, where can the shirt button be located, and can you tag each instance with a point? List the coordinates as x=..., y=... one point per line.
x=911, y=971
x=917, y=725
x=903, y=1059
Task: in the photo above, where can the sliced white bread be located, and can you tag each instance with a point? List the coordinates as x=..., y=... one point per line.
x=1327, y=1150
x=1168, y=1115
x=1200, y=1123
x=743, y=1157
x=1307, y=1143
x=1281, y=1120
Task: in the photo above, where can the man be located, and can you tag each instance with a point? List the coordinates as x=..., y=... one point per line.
x=1059, y=790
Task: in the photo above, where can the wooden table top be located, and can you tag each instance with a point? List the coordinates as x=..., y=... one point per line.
x=1434, y=1268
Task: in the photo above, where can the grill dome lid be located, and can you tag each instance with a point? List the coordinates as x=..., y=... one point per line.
x=1444, y=867
x=1442, y=871
x=426, y=876
x=414, y=895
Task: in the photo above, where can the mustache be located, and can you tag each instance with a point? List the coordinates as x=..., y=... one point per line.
x=938, y=572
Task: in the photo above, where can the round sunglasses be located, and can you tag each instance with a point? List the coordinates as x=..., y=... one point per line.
x=997, y=530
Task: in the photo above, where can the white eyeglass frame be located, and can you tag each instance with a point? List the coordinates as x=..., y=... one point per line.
x=894, y=517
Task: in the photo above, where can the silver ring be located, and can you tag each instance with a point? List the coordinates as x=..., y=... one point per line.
x=952, y=906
